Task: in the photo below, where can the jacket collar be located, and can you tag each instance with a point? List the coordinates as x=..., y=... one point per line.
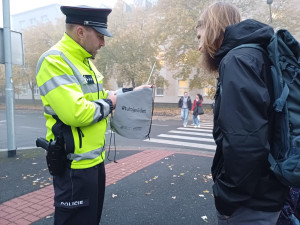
x=73, y=48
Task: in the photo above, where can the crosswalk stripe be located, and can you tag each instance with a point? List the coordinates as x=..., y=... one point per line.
x=208, y=126
x=160, y=125
x=190, y=133
x=180, y=143
x=195, y=129
x=201, y=126
x=187, y=138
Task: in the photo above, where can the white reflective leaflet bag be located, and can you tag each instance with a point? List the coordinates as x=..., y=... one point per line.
x=132, y=116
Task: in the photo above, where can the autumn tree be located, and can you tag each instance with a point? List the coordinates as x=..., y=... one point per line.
x=37, y=39
x=175, y=26
x=130, y=54
x=176, y=20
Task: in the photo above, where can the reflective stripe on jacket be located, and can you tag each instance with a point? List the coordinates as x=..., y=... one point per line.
x=72, y=92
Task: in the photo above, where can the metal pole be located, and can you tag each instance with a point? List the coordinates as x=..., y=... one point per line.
x=9, y=91
x=269, y=2
x=151, y=72
x=270, y=13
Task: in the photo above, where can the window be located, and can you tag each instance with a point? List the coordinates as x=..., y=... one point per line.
x=33, y=21
x=24, y=90
x=159, y=92
x=44, y=18
x=182, y=87
x=36, y=90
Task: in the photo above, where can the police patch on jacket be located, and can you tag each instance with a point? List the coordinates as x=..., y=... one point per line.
x=89, y=79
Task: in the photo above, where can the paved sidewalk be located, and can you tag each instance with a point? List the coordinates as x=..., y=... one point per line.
x=131, y=174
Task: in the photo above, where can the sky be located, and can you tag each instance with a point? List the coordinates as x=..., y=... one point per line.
x=18, y=6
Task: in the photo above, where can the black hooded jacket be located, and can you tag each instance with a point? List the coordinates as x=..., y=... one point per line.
x=243, y=123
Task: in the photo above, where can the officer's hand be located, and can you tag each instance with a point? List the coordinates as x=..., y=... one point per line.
x=143, y=86
x=113, y=97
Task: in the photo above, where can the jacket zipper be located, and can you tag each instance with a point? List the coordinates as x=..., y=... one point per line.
x=80, y=135
x=95, y=77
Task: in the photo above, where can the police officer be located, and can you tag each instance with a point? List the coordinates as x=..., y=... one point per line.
x=76, y=107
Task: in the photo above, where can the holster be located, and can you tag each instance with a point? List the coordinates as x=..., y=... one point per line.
x=56, y=155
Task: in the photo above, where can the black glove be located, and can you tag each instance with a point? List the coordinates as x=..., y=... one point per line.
x=111, y=106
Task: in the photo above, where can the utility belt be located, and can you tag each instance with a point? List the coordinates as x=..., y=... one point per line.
x=56, y=156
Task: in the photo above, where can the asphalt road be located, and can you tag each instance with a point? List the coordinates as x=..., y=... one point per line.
x=30, y=124
x=173, y=191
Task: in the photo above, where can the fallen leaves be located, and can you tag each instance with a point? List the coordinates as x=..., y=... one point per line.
x=154, y=178
x=38, y=181
x=113, y=195
x=202, y=196
x=204, y=218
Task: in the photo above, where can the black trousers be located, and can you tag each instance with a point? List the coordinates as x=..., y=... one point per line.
x=79, y=196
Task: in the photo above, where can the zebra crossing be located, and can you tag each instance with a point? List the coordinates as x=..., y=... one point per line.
x=199, y=138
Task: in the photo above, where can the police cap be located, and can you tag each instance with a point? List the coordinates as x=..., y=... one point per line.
x=88, y=16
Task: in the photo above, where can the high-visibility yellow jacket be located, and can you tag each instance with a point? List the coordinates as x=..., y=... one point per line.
x=72, y=94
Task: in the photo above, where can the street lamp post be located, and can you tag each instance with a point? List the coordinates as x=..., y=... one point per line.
x=269, y=2
x=9, y=91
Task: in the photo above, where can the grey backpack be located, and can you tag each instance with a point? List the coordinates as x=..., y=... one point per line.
x=132, y=117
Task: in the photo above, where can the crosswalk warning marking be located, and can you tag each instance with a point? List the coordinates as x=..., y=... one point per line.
x=201, y=126
x=187, y=138
x=191, y=133
x=194, y=129
x=183, y=144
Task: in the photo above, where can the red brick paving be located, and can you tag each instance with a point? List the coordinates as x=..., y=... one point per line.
x=36, y=205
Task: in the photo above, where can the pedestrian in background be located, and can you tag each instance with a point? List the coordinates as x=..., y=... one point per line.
x=185, y=103
x=76, y=109
x=196, y=116
x=245, y=190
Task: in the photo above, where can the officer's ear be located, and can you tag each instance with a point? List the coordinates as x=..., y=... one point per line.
x=80, y=32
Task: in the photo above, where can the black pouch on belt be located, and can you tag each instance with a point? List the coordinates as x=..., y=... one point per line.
x=56, y=155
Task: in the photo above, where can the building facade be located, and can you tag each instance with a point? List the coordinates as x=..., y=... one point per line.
x=33, y=17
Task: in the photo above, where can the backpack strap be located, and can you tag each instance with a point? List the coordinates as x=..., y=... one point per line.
x=280, y=101
x=252, y=45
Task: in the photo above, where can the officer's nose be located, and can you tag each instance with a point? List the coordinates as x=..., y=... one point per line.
x=101, y=42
